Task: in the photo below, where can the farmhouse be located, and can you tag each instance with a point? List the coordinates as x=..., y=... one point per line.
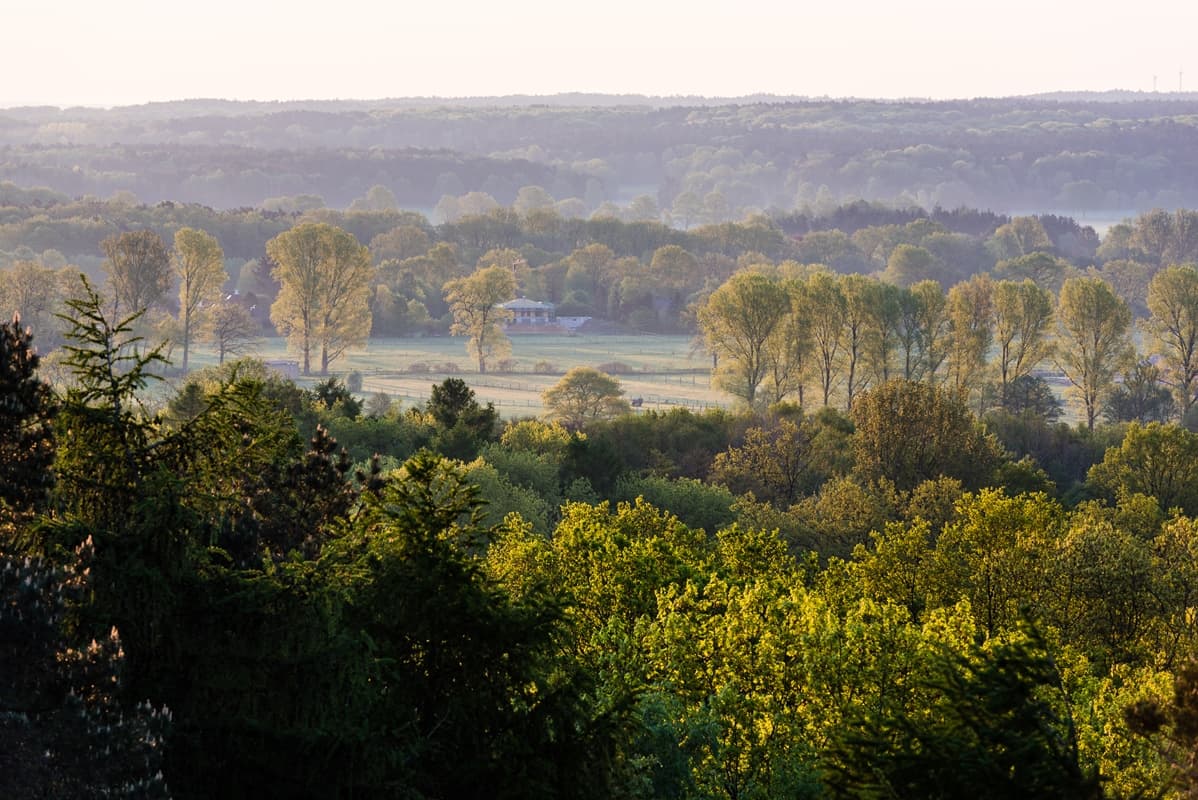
x=527, y=312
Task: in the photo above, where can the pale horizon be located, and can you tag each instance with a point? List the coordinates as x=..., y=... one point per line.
x=131, y=52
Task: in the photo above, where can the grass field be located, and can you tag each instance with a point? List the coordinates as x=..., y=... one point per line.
x=661, y=370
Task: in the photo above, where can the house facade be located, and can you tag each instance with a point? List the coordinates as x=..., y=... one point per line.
x=529, y=313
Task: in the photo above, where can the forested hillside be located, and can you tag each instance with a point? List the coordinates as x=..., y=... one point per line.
x=1077, y=153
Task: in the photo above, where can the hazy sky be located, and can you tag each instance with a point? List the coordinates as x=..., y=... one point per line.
x=108, y=52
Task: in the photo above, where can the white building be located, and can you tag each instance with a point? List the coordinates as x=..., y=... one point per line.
x=530, y=313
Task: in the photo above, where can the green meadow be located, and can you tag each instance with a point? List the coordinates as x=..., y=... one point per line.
x=664, y=371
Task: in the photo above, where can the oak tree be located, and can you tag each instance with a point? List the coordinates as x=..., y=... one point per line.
x=139, y=269
x=474, y=301
x=232, y=330
x=324, y=299
x=738, y=322
x=584, y=394
x=1173, y=324
x=1093, y=327
x=1022, y=316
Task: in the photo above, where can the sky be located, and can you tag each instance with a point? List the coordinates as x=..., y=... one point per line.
x=120, y=52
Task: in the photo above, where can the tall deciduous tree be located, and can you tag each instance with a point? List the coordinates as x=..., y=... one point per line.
x=824, y=304
x=738, y=321
x=324, y=299
x=1092, y=339
x=590, y=266
x=139, y=268
x=1019, y=237
x=199, y=264
x=1022, y=316
x=788, y=350
x=971, y=319
x=1044, y=269
x=474, y=301
x=232, y=330
x=859, y=299
x=1173, y=324
x=907, y=264
x=883, y=311
x=777, y=463
x=924, y=331
x=35, y=292
x=671, y=270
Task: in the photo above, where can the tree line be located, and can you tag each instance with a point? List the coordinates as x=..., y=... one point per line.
x=315, y=283
x=773, y=331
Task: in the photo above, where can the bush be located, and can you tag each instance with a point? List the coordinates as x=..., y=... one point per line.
x=615, y=368
x=697, y=504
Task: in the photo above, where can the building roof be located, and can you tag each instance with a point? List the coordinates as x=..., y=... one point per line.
x=525, y=303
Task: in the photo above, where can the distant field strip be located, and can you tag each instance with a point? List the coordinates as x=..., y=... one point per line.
x=661, y=370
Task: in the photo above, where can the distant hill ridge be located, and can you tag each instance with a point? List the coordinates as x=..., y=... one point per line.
x=208, y=106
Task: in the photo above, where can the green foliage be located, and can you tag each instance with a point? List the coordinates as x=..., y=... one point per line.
x=529, y=469
x=324, y=279
x=1140, y=397
x=477, y=313
x=1065, y=453
x=321, y=633
x=467, y=671
x=1173, y=325
x=911, y=432
x=1093, y=327
x=63, y=727
x=500, y=496
x=394, y=436
x=583, y=395
x=105, y=443
x=995, y=728
x=1031, y=397
x=676, y=443
x=548, y=441
x=26, y=411
x=334, y=396
x=139, y=269
x=737, y=321
x=1155, y=460
x=1112, y=589
x=774, y=463
x=698, y=505
x=842, y=514
x=993, y=555
x=452, y=402
x=934, y=501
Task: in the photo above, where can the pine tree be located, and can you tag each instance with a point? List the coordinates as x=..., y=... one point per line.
x=26, y=409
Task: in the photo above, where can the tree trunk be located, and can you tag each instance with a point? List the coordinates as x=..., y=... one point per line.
x=186, y=339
